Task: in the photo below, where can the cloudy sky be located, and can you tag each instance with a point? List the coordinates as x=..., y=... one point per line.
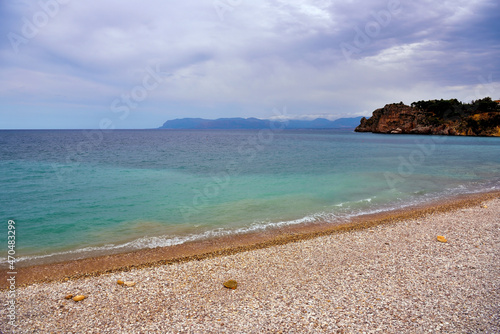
x=131, y=64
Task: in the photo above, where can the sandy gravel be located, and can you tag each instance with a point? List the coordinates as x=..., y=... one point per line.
x=388, y=279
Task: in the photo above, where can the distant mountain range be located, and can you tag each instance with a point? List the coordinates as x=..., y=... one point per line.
x=255, y=123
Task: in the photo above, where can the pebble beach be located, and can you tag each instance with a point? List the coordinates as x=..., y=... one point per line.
x=387, y=278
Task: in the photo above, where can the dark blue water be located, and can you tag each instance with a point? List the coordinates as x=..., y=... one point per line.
x=82, y=193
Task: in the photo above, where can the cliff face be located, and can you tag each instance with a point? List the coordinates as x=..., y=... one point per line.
x=398, y=118
x=393, y=118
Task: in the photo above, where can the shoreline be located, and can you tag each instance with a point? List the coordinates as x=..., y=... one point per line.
x=229, y=245
x=394, y=277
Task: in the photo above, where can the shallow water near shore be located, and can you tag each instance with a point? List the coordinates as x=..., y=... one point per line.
x=85, y=193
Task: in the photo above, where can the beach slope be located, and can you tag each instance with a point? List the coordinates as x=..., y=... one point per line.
x=392, y=278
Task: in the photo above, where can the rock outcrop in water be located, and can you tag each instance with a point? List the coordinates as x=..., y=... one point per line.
x=436, y=117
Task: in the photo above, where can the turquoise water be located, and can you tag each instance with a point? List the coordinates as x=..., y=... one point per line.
x=84, y=193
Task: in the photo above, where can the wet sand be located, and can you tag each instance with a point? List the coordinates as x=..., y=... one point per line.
x=228, y=245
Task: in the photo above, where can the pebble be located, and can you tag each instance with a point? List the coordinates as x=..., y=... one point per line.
x=440, y=238
x=129, y=283
x=78, y=298
x=231, y=284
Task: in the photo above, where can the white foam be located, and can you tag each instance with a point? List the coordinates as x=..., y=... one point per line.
x=166, y=241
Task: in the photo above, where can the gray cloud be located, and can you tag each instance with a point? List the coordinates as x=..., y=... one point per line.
x=242, y=59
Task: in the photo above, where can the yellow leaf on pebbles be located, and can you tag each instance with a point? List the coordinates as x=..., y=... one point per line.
x=231, y=284
x=78, y=298
x=440, y=238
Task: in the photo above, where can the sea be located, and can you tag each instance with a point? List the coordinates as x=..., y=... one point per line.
x=80, y=193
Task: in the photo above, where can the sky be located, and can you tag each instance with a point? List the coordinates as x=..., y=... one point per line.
x=121, y=64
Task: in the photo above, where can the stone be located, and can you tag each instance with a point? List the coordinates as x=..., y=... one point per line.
x=231, y=284
x=440, y=238
x=78, y=298
x=396, y=131
x=119, y=282
x=69, y=296
x=484, y=206
x=129, y=283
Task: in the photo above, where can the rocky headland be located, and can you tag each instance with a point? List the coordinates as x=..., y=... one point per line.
x=436, y=117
